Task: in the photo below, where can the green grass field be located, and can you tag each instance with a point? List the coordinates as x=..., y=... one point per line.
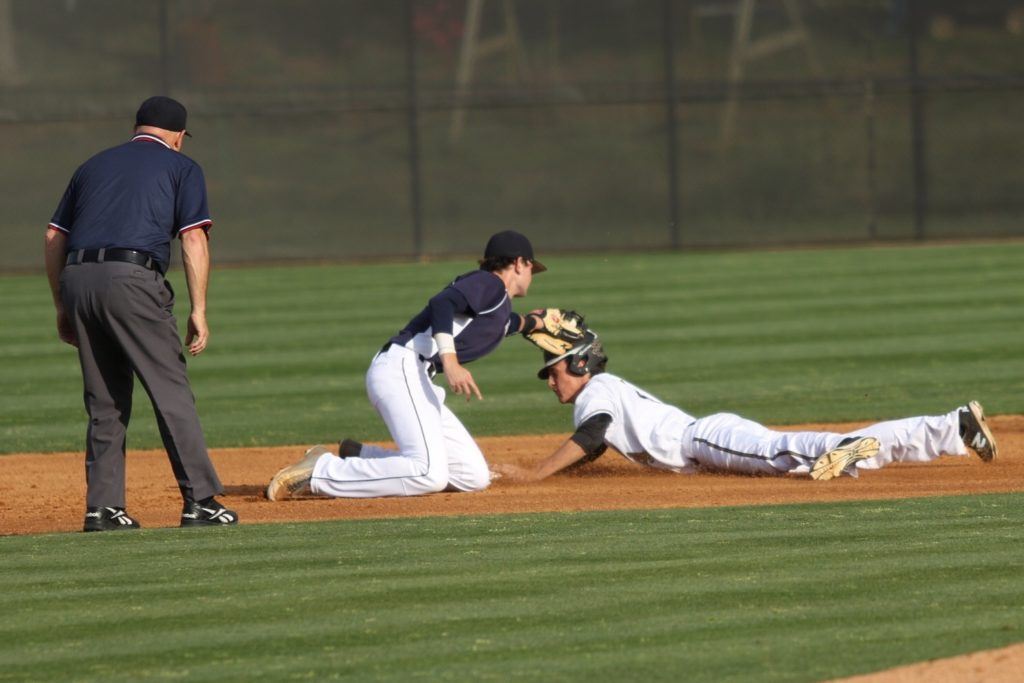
x=780, y=337
x=794, y=593
x=778, y=593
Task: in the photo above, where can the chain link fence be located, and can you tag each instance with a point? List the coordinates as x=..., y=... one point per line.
x=343, y=129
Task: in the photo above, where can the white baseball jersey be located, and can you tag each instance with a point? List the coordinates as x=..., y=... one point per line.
x=651, y=432
x=643, y=428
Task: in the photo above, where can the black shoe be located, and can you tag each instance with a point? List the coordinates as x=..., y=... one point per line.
x=349, y=448
x=108, y=519
x=207, y=513
x=975, y=432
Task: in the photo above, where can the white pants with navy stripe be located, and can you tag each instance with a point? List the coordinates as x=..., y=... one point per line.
x=729, y=442
x=435, y=452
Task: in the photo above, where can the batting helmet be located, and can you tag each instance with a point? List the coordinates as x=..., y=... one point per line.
x=587, y=357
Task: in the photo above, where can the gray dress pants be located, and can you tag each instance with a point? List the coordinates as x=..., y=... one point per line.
x=122, y=315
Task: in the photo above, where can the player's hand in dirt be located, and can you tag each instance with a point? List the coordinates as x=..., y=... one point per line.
x=511, y=473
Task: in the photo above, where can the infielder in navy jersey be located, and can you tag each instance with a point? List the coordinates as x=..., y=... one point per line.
x=610, y=411
x=107, y=249
x=464, y=322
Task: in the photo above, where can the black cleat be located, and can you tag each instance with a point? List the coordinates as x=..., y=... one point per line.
x=975, y=432
x=108, y=519
x=207, y=513
x=349, y=448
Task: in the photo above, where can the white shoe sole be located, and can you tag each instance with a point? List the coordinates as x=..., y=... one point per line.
x=986, y=452
x=831, y=464
x=289, y=480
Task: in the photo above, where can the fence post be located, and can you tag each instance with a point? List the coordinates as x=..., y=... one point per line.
x=671, y=101
x=917, y=120
x=412, y=107
x=869, y=141
x=165, y=46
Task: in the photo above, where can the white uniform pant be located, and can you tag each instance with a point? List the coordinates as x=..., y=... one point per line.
x=435, y=452
x=730, y=442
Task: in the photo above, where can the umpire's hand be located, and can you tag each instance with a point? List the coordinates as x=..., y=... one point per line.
x=65, y=330
x=198, y=333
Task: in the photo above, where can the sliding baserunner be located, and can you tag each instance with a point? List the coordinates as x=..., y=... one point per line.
x=609, y=411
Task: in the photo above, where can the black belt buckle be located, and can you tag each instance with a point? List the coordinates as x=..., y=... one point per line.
x=120, y=255
x=431, y=368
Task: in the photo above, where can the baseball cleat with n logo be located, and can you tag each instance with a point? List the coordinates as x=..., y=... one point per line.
x=975, y=432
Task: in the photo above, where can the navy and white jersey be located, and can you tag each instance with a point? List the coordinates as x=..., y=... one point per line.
x=478, y=310
x=138, y=195
x=643, y=428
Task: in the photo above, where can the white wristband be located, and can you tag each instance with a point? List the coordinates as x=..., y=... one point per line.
x=445, y=343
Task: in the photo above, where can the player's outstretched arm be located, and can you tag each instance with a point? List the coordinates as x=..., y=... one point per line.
x=568, y=453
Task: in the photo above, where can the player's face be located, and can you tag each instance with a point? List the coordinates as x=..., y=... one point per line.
x=565, y=384
x=524, y=276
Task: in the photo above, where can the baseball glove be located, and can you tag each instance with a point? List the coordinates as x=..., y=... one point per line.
x=556, y=330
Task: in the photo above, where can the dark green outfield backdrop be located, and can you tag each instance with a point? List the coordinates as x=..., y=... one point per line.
x=780, y=337
x=341, y=129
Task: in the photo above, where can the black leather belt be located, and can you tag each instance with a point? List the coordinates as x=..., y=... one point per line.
x=122, y=255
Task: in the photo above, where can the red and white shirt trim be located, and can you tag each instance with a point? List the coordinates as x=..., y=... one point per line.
x=150, y=138
x=205, y=223
x=60, y=227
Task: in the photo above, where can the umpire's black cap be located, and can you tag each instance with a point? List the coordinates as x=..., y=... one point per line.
x=510, y=243
x=162, y=112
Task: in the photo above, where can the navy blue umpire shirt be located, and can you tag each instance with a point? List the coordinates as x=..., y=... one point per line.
x=139, y=195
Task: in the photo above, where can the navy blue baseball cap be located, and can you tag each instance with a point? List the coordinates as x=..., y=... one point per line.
x=162, y=112
x=512, y=244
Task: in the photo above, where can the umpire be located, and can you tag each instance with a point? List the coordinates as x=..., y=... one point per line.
x=107, y=249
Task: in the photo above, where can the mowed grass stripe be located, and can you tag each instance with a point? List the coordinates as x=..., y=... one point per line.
x=780, y=337
x=788, y=593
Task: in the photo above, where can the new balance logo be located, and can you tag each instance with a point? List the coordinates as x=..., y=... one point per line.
x=979, y=441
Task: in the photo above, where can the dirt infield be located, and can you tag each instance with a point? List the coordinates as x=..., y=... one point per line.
x=1005, y=665
x=53, y=485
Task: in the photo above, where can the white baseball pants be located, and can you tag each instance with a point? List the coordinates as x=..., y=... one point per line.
x=730, y=442
x=435, y=452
